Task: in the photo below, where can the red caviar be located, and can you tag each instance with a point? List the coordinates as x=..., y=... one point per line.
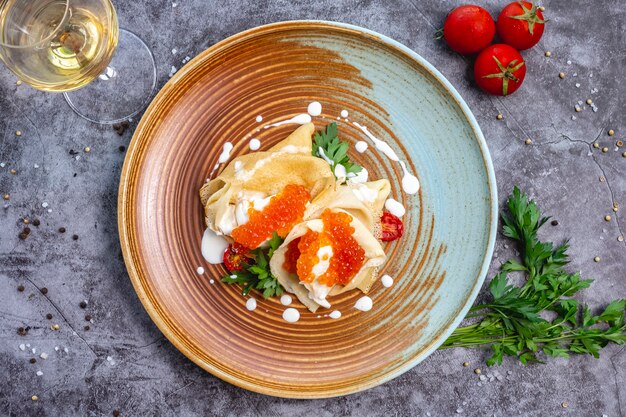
x=347, y=255
x=283, y=211
x=291, y=256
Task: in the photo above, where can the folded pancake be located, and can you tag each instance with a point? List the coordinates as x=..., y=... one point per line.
x=365, y=201
x=250, y=180
x=327, y=256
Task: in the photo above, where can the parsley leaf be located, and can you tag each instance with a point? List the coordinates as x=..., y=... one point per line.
x=327, y=144
x=512, y=323
x=256, y=273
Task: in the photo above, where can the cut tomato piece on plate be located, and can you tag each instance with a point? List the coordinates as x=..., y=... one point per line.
x=392, y=227
x=235, y=256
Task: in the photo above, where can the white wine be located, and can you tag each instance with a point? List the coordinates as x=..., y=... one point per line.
x=57, y=45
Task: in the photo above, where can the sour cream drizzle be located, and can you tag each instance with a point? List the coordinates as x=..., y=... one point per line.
x=251, y=304
x=213, y=247
x=335, y=314
x=386, y=280
x=361, y=146
x=410, y=183
x=285, y=299
x=299, y=119
x=381, y=145
x=395, y=207
x=314, y=108
x=291, y=315
x=254, y=144
x=364, y=303
x=225, y=155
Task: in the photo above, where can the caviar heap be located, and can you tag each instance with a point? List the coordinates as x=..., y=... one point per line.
x=334, y=247
x=283, y=211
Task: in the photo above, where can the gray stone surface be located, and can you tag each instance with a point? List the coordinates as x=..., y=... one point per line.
x=123, y=362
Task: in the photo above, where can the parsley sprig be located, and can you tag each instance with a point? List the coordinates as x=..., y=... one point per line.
x=515, y=323
x=334, y=149
x=256, y=273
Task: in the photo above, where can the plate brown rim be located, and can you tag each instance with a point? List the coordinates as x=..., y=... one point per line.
x=126, y=213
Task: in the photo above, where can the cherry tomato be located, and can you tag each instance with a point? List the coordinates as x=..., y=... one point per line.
x=520, y=25
x=468, y=29
x=235, y=256
x=499, y=70
x=392, y=227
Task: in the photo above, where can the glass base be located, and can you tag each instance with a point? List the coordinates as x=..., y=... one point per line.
x=124, y=89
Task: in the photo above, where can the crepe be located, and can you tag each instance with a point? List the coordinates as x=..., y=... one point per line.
x=374, y=257
x=364, y=201
x=263, y=174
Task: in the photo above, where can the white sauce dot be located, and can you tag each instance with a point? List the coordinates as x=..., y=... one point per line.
x=340, y=171
x=200, y=270
x=344, y=113
x=395, y=207
x=225, y=155
x=251, y=304
x=364, y=303
x=386, y=280
x=211, y=281
x=314, y=108
x=285, y=299
x=410, y=183
x=254, y=144
x=361, y=146
x=299, y=119
x=259, y=119
x=213, y=247
x=291, y=315
x=335, y=314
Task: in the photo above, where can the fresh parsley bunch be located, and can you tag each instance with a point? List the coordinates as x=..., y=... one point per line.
x=257, y=273
x=539, y=316
x=334, y=149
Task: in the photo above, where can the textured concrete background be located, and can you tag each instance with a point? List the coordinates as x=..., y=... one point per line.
x=123, y=362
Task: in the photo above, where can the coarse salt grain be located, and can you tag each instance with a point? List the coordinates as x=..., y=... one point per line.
x=44, y=204
x=66, y=350
x=43, y=355
x=22, y=347
x=39, y=373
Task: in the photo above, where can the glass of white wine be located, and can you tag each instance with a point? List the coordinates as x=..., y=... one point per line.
x=106, y=74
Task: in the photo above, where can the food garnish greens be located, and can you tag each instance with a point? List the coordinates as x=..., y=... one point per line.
x=538, y=316
x=256, y=273
x=334, y=149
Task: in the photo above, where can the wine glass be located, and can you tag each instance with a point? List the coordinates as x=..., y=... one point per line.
x=106, y=74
